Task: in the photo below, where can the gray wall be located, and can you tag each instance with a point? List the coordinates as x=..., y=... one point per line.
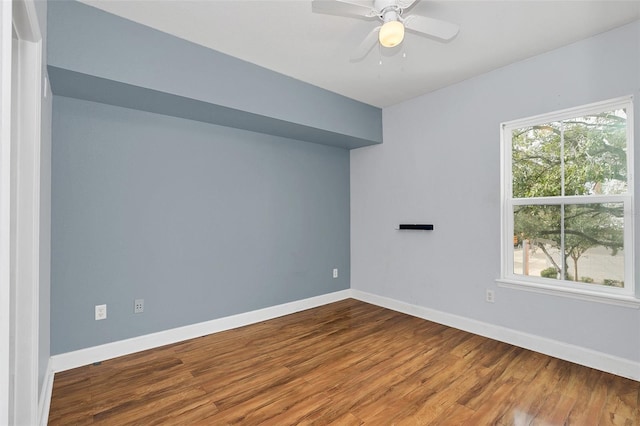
x=440, y=163
x=201, y=221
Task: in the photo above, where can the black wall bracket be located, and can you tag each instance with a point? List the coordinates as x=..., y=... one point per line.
x=420, y=227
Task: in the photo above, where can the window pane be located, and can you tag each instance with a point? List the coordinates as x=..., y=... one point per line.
x=594, y=243
x=536, y=161
x=595, y=154
x=537, y=241
x=567, y=177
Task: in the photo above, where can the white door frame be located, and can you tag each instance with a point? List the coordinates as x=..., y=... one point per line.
x=5, y=207
x=20, y=211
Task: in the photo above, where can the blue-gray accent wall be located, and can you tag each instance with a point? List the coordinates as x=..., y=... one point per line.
x=199, y=220
x=203, y=184
x=99, y=56
x=81, y=86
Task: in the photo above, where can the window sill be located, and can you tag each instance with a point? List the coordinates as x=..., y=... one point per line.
x=611, y=299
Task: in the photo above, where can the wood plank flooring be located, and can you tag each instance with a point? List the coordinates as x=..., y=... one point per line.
x=347, y=363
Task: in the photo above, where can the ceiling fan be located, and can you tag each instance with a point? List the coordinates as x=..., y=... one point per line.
x=394, y=22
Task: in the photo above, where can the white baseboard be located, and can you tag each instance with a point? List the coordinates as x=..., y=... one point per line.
x=576, y=354
x=69, y=360
x=44, y=403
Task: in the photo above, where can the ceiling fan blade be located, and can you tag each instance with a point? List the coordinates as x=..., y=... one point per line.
x=432, y=27
x=343, y=8
x=365, y=47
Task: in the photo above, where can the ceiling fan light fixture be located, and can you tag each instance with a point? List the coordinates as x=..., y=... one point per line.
x=391, y=33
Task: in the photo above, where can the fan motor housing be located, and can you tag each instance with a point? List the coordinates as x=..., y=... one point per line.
x=385, y=7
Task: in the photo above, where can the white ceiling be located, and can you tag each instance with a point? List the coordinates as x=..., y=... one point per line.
x=285, y=36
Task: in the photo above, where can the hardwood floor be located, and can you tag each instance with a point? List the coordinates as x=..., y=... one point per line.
x=347, y=363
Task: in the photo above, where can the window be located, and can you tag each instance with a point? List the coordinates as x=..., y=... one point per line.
x=567, y=191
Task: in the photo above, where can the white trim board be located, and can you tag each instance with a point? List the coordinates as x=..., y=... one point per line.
x=23, y=208
x=27, y=245
x=79, y=358
x=45, y=396
x=568, y=352
x=5, y=212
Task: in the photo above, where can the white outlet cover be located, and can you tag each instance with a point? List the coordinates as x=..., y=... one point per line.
x=101, y=312
x=490, y=296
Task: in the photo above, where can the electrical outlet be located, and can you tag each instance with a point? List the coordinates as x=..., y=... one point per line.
x=101, y=312
x=138, y=306
x=335, y=272
x=490, y=296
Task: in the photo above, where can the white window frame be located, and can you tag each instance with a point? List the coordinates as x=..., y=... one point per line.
x=620, y=296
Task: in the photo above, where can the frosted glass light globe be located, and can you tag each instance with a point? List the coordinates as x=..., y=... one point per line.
x=391, y=34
